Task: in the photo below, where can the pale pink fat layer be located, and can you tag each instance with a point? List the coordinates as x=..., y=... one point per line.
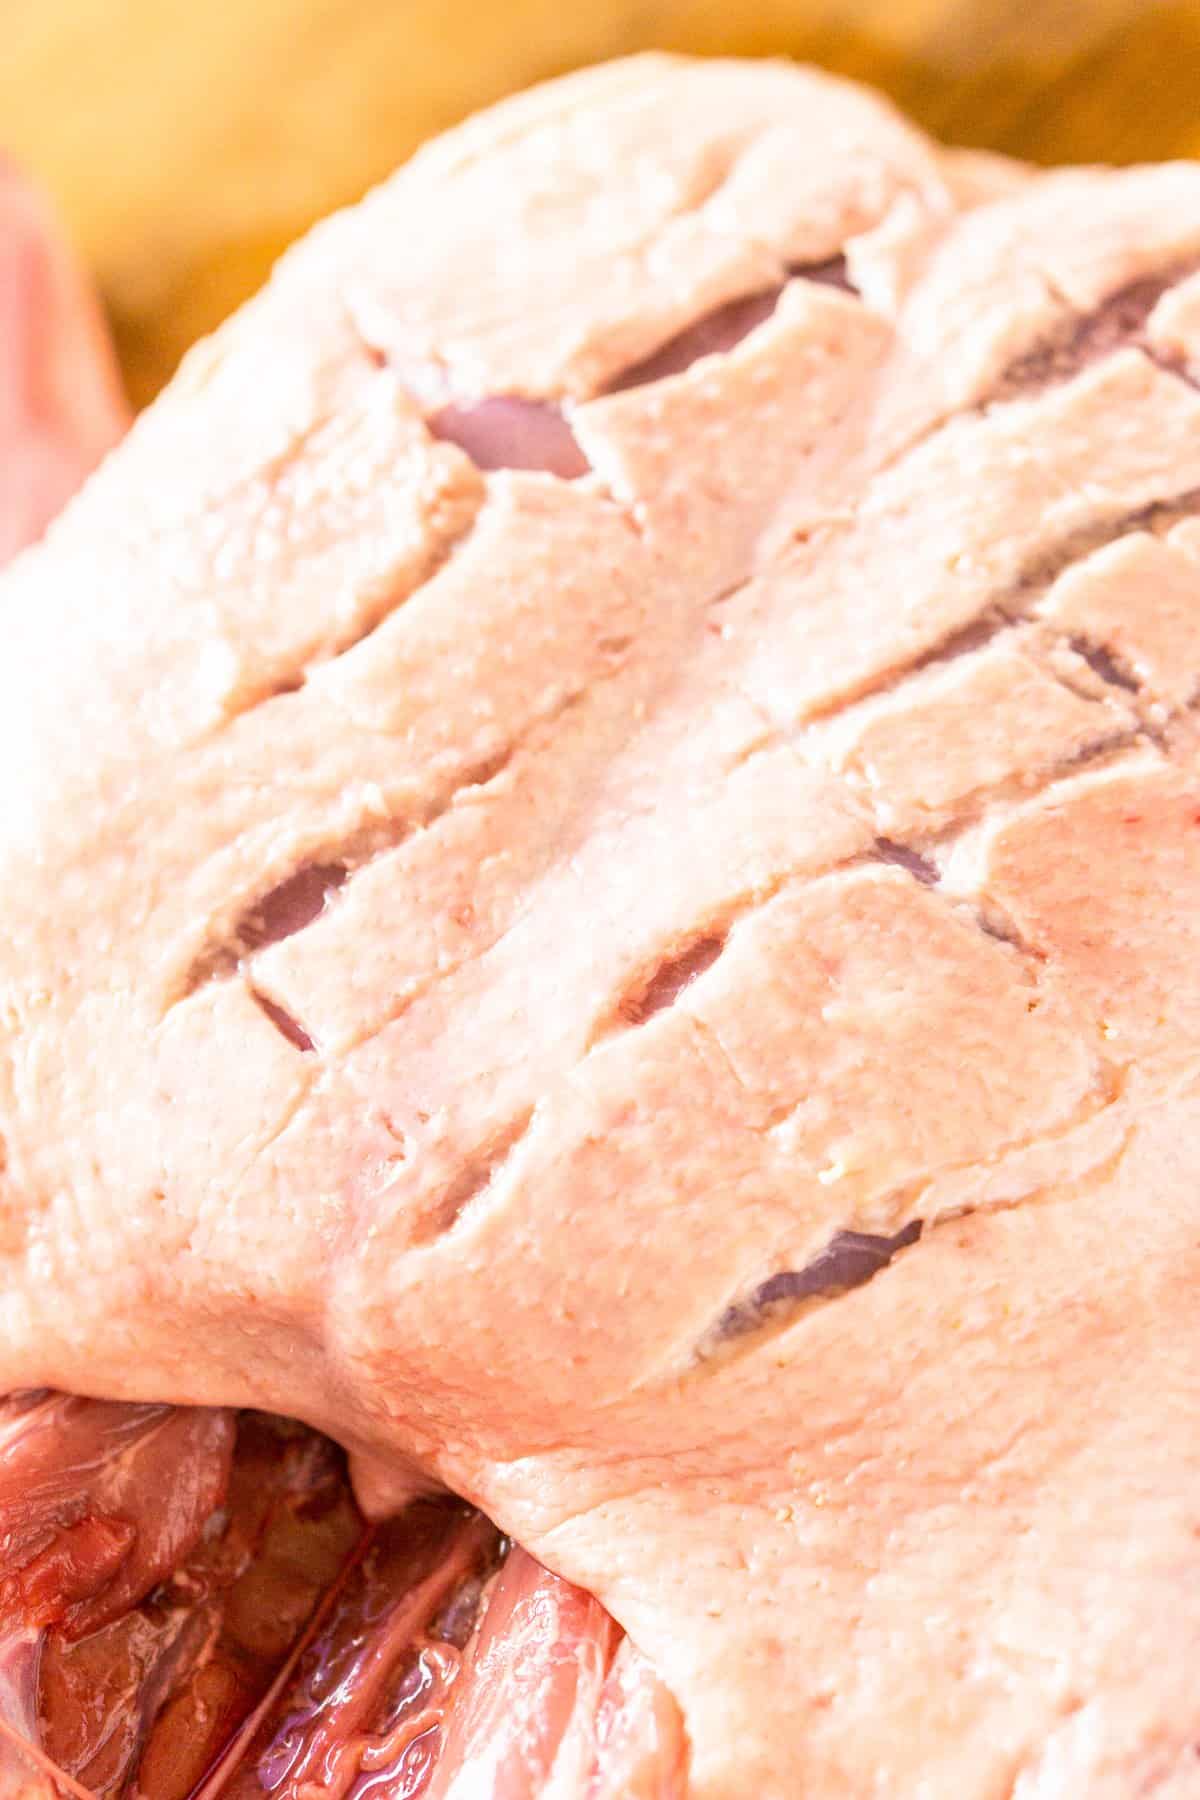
x=850, y=678
x=149, y=1589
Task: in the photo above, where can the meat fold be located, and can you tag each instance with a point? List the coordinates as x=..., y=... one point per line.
x=191, y=1604
x=190, y=1601
x=620, y=737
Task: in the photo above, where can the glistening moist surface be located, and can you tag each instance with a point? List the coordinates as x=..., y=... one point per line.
x=193, y=1606
x=625, y=907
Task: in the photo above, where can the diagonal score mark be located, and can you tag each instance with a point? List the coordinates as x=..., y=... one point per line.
x=1012, y=605
x=849, y=1260
x=996, y=620
x=720, y=331
x=1081, y=339
x=303, y=897
x=281, y=684
x=1118, y=321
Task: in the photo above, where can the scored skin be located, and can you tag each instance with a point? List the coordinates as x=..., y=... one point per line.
x=482, y=1230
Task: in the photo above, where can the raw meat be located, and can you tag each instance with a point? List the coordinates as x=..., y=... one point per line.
x=61, y=405
x=473, y=931
x=193, y=1605
x=130, y=1673
x=164, y=1571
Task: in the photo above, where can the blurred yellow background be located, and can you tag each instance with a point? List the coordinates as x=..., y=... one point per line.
x=187, y=141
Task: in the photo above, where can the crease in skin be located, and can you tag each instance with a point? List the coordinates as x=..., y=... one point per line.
x=674, y=976
x=1155, y=516
x=1108, y=747
x=849, y=1260
x=1011, y=606
x=286, y=1024
x=834, y=271
x=1089, y=675
x=744, y=1330
x=419, y=990
x=988, y=803
x=470, y=1187
x=922, y=868
x=1093, y=671
x=1104, y=664
x=1005, y=611
x=925, y=858
x=724, y=327
x=1118, y=320
x=321, y=878
x=286, y=908
x=653, y=993
x=995, y=923
x=284, y=683
x=715, y=333
x=447, y=548
x=723, y=162
x=1181, y=367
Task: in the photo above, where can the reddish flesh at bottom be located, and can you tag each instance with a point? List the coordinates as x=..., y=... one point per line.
x=525, y=1723
x=192, y=1605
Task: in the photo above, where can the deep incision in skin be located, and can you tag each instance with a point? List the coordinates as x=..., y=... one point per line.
x=676, y=974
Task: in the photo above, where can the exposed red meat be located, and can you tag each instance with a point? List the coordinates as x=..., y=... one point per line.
x=363, y=1711
x=641, y=1751
x=532, y=1681
x=186, y=1615
x=154, y=1582
x=98, y=1501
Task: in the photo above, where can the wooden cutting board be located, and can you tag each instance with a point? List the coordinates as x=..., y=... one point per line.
x=187, y=141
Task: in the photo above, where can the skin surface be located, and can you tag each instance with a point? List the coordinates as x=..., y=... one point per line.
x=470, y=929
x=190, y=1601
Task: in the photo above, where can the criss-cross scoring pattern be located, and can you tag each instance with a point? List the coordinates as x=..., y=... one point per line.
x=549, y=832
